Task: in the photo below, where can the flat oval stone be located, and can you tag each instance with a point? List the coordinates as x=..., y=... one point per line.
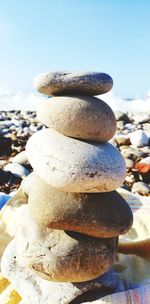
x=61, y=255
x=78, y=116
x=102, y=215
x=73, y=165
x=70, y=83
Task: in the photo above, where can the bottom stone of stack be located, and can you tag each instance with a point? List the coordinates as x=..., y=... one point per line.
x=62, y=256
x=35, y=290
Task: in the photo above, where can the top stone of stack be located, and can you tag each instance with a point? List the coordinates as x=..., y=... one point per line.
x=73, y=83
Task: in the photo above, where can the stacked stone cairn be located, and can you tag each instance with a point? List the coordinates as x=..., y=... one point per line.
x=78, y=216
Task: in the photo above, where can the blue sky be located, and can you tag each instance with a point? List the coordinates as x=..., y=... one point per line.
x=95, y=35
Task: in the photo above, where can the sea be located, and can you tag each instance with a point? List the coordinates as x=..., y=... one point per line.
x=27, y=101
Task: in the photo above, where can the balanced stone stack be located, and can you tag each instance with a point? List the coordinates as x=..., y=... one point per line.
x=76, y=213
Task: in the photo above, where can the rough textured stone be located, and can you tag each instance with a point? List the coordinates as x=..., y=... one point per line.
x=62, y=256
x=34, y=289
x=73, y=165
x=78, y=116
x=96, y=214
x=70, y=83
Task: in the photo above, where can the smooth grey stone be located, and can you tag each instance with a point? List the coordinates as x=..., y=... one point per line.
x=80, y=117
x=71, y=83
x=73, y=165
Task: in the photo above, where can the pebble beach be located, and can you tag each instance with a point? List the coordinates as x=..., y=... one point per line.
x=132, y=139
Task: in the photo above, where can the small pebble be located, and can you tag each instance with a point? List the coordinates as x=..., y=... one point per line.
x=121, y=116
x=132, y=153
x=129, y=163
x=16, y=169
x=139, y=138
x=146, y=160
x=129, y=126
x=123, y=147
x=122, y=140
x=21, y=158
x=120, y=124
x=130, y=179
x=141, y=188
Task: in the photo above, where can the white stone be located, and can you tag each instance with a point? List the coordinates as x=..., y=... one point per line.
x=5, y=123
x=74, y=165
x=145, y=160
x=129, y=163
x=141, y=188
x=16, y=169
x=21, y=158
x=139, y=138
x=129, y=126
x=141, y=118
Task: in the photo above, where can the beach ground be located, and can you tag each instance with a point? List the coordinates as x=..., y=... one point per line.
x=132, y=138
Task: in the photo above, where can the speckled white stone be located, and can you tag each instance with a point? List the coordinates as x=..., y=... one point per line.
x=73, y=165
